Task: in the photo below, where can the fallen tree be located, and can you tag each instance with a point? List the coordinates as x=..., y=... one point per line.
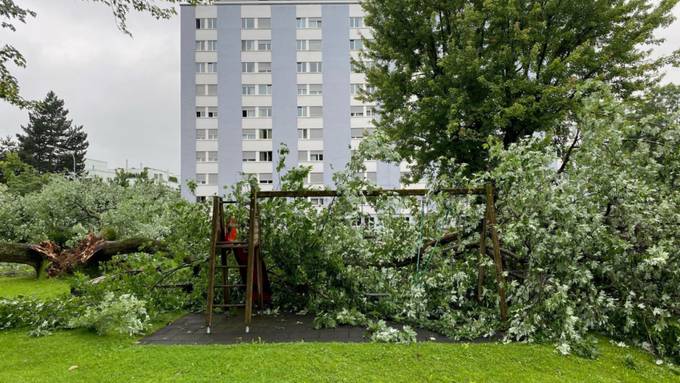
x=50, y=257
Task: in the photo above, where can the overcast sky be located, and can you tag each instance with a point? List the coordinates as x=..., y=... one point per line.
x=125, y=91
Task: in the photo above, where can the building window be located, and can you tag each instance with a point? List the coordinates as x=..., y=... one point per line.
x=356, y=45
x=206, y=67
x=212, y=112
x=316, y=134
x=308, y=22
x=315, y=89
x=264, y=23
x=356, y=22
x=314, y=45
x=315, y=67
x=249, y=156
x=358, y=132
x=264, y=67
x=301, y=22
x=212, y=134
x=248, y=112
x=253, y=90
x=247, y=90
x=303, y=155
x=314, y=22
x=212, y=156
x=265, y=156
x=309, y=67
x=211, y=90
x=310, y=111
x=316, y=178
x=355, y=88
x=370, y=111
x=206, y=112
x=264, y=111
x=316, y=156
x=265, y=178
x=200, y=156
x=264, y=89
x=357, y=111
x=264, y=45
x=247, y=45
x=310, y=134
x=247, y=23
x=247, y=67
x=249, y=134
x=265, y=134
x=200, y=134
x=206, y=45
x=201, y=179
x=212, y=179
x=208, y=23
x=317, y=201
x=308, y=45
x=309, y=89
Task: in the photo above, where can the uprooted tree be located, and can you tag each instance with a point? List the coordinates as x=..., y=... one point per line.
x=50, y=257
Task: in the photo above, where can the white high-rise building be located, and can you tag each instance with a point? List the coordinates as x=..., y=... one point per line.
x=259, y=74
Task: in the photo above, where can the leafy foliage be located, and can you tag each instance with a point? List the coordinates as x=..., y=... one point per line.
x=590, y=234
x=123, y=314
x=447, y=74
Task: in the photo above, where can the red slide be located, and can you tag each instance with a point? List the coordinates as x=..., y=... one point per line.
x=241, y=256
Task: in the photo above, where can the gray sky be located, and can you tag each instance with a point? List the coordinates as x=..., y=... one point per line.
x=125, y=91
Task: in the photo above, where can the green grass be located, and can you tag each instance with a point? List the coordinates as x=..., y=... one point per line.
x=49, y=359
x=30, y=286
x=81, y=356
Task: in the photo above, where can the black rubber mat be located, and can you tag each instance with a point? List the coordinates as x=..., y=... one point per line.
x=190, y=329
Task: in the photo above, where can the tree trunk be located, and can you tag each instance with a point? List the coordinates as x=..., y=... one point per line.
x=90, y=252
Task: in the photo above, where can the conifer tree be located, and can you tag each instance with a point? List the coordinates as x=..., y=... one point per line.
x=50, y=142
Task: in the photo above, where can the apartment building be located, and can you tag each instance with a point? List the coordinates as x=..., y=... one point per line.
x=256, y=75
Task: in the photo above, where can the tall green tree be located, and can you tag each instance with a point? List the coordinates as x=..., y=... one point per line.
x=449, y=73
x=50, y=142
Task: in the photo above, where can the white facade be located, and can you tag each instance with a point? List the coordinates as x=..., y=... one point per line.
x=100, y=169
x=259, y=74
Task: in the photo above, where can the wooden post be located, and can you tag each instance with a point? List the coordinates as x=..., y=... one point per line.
x=259, y=264
x=491, y=222
x=482, y=254
x=223, y=256
x=251, y=257
x=211, y=273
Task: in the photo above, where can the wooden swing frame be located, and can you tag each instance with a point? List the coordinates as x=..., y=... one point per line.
x=488, y=227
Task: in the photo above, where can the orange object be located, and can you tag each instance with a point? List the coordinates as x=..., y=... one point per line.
x=231, y=233
x=241, y=256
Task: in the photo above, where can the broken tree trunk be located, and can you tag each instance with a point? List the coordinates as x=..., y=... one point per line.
x=89, y=252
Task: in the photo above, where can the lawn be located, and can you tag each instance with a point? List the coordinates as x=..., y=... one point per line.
x=73, y=356
x=30, y=286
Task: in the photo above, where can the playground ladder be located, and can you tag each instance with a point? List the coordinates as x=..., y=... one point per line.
x=220, y=246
